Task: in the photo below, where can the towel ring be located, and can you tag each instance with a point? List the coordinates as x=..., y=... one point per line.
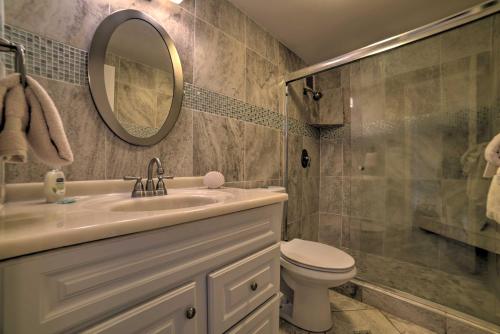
x=18, y=49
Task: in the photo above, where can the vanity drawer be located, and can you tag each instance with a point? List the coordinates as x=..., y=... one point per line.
x=236, y=290
x=264, y=320
x=171, y=312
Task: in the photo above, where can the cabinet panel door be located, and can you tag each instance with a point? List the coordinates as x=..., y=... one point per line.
x=264, y=320
x=167, y=314
x=238, y=289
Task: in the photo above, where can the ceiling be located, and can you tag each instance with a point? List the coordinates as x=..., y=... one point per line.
x=318, y=30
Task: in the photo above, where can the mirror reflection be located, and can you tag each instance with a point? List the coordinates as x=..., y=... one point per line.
x=138, y=78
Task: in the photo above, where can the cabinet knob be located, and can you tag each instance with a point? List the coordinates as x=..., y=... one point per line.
x=190, y=313
x=254, y=286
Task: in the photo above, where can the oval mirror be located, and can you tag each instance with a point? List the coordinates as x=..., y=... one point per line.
x=135, y=77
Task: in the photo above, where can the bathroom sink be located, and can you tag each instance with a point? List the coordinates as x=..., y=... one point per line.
x=169, y=202
x=177, y=199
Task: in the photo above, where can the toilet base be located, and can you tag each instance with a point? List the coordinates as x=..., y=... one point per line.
x=310, y=308
x=306, y=300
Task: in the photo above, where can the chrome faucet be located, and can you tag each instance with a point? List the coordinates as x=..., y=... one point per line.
x=151, y=190
x=160, y=186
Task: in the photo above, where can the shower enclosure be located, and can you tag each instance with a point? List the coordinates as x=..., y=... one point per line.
x=398, y=166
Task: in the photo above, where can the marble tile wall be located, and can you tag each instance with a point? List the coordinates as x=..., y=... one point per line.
x=303, y=183
x=401, y=180
x=2, y=73
x=332, y=85
x=231, y=118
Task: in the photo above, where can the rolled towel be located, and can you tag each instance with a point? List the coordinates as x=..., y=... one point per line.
x=492, y=152
x=14, y=121
x=493, y=201
x=46, y=134
x=31, y=116
x=492, y=156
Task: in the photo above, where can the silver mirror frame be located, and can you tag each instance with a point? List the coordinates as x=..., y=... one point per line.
x=96, y=59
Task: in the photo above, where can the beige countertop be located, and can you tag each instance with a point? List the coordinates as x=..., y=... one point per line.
x=31, y=225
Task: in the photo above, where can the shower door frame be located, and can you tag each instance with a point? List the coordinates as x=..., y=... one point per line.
x=450, y=22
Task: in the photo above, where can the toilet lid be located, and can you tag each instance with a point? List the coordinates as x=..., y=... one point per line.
x=315, y=255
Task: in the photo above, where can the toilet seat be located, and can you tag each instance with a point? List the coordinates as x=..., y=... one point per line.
x=316, y=256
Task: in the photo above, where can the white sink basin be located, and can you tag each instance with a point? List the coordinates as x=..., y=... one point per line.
x=177, y=199
x=168, y=202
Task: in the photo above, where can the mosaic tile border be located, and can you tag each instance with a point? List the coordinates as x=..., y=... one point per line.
x=301, y=128
x=207, y=101
x=48, y=58
x=335, y=132
x=58, y=61
x=439, y=120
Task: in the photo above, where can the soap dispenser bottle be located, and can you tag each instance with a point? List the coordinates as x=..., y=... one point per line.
x=54, y=188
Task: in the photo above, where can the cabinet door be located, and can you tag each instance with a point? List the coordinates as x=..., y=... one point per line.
x=173, y=312
x=236, y=290
x=264, y=320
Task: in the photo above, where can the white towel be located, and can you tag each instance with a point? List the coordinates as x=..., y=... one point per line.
x=14, y=121
x=492, y=156
x=30, y=116
x=493, y=201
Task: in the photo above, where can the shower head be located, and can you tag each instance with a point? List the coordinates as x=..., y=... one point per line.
x=316, y=94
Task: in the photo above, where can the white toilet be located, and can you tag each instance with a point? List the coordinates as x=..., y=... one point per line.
x=308, y=270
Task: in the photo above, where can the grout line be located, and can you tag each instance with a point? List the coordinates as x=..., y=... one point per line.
x=254, y=49
x=390, y=322
x=244, y=151
x=194, y=45
x=220, y=30
x=105, y=154
x=192, y=141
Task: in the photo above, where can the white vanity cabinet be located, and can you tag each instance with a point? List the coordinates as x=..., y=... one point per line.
x=204, y=277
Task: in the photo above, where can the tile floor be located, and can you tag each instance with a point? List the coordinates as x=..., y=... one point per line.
x=353, y=317
x=474, y=294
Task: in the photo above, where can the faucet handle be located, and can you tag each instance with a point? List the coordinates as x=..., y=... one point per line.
x=138, y=190
x=160, y=187
x=130, y=178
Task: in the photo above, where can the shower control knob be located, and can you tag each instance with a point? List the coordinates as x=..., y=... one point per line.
x=190, y=313
x=305, y=159
x=254, y=286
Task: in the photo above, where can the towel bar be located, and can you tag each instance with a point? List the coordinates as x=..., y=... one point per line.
x=18, y=49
